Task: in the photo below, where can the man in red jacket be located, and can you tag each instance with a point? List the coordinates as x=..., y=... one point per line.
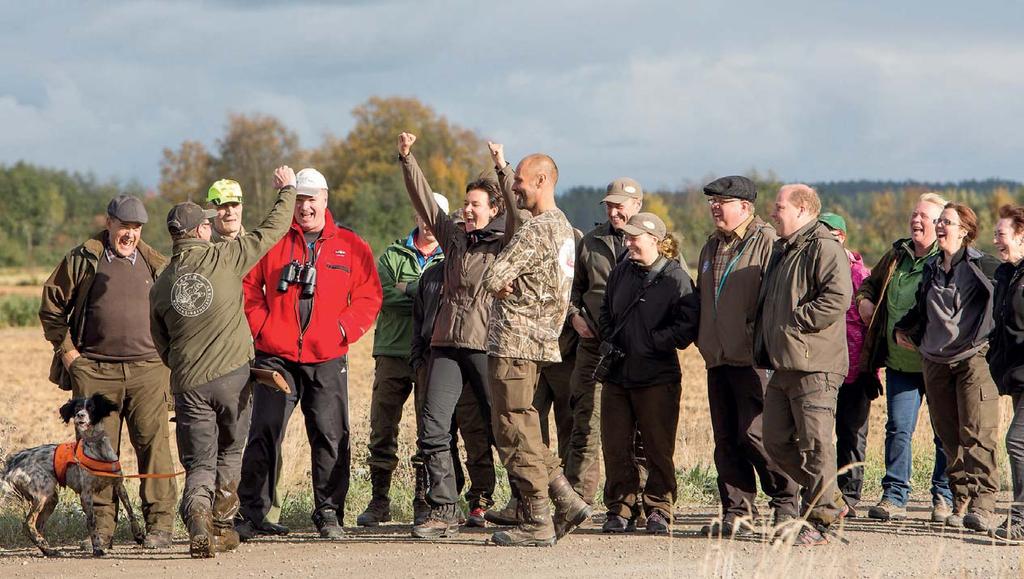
x=312, y=295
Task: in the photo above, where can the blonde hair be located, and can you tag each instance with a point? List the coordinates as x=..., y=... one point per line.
x=933, y=198
x=803, y=196
x=668, y=247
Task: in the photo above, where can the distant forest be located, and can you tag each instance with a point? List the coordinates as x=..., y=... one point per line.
x=47, y=211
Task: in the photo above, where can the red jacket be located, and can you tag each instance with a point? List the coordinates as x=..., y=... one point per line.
x=346, y=299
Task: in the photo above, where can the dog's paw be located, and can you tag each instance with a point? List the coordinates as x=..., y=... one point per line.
x=51, y=553
x=99, y=553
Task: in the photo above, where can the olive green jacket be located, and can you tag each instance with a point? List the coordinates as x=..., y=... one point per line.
x=197, y=318
x=66, y=292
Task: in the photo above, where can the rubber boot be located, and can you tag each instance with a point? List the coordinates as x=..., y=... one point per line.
x=420, y=506
x=536, y=528
x=199, y=523
x=379, y=509
x=571, y=510
x=225, y=508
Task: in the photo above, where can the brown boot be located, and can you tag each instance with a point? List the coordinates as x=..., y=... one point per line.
x=571, y=510
x=507, y=516
x=225, y=508
x=535, y=530
x=199, y=523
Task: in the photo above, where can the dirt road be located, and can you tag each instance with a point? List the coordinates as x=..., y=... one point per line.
x=914, y=548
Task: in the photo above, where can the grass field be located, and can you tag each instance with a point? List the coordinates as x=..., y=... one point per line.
x=30, y=418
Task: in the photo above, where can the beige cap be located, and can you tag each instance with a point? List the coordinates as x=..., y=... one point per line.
x=622, y=189
x=645, y=223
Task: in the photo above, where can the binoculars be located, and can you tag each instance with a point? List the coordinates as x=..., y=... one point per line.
x=303, y=274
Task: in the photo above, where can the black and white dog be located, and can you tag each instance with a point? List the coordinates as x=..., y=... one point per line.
x=35, y=474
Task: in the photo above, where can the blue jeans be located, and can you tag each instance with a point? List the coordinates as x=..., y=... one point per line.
x=903, y=396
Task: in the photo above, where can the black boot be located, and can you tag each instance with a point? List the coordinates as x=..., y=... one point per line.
x=420, y=507
x=443, y=521
x=379, y=509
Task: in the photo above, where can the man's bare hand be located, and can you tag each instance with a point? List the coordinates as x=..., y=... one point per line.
x=866, y=309
x=504, y=292
x=903, y=341
x=497, y=154
x=581, y=327
x=68, y=358
x=405, y=141
x=283, y=177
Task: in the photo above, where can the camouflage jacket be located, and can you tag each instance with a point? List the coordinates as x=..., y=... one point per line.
x=538, y=262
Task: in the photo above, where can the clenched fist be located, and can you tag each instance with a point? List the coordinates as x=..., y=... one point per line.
x=283, y=177
x=405, y=141
x=497, y=154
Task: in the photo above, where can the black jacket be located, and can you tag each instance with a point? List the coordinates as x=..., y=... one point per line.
x=982, y=265
x=665, y=318
x=424, y=310
x=1006, y=351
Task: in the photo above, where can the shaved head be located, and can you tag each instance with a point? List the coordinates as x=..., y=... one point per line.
x=539, y=163
x=534, y=183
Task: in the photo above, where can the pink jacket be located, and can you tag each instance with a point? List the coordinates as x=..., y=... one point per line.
x=855, y=327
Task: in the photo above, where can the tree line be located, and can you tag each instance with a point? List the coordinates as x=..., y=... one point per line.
x=47, y=211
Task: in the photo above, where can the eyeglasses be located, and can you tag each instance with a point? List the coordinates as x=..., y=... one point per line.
x=719, y=201
x=944, y=221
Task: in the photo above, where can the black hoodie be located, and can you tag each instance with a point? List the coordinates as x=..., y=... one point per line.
x=1006, y=351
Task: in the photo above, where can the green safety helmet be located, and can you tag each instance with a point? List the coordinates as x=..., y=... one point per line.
x=225, y=191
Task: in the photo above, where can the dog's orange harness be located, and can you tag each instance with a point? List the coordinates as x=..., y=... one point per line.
x=74, y=452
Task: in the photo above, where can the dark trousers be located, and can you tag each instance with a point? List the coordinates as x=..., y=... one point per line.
x=553, y=393
x=450, y=370
x=393, y=383
x=1015, y=449
x=212, y=423
x=736, y=398
x=322, y=392
x=475, y=429
x=852, y=410
x=141, y=391
x=654, y=411
x=799, y=422
x=964, y=406
x=583, y=458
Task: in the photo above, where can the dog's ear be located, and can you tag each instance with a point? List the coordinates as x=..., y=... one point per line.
x=102, y=407
x=67, y=411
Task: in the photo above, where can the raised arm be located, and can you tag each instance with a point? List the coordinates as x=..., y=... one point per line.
x=245, y=251
x=422, y=196
x=506, y=176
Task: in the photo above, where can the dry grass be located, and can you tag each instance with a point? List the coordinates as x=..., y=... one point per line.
x=31, y=402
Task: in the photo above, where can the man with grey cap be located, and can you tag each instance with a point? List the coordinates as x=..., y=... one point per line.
x=95, y=312
x=732, y=263
x=201, y=333
x=596, y=255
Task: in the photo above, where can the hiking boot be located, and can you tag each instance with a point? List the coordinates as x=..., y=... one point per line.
x=507, y=516
x=157, y=539
x=420, y=506
x=327, y=524
x=780, y=518
x=106, y=543
x=420, y=511
x=956, y=521
x=476, y=518
x=199, y=523
x=941, y=510
x=379, y=509
x=657, y=523
x=225, y=509
x=616, y=524
x=536, y=528
x=1010, y=532
x=979, y=520
x=443, y=521
x=887, y=510
x=571, y=510
x=810, y=537
x=729, y=527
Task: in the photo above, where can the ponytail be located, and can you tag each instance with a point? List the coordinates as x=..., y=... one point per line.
x=669, y=247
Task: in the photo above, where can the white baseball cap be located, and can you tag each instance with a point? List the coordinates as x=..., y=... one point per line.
x=309, y=182
x=442, y=202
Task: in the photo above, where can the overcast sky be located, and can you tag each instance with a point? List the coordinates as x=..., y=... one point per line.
x=665, y=91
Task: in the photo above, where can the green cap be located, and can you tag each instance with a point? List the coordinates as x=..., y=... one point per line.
x=833, y=221
x=224, y=191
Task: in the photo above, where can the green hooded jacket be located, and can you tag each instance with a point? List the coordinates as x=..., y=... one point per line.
x=197, y=317
x=398, y=264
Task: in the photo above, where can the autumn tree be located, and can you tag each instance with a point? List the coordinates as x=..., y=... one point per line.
x=185, y=174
